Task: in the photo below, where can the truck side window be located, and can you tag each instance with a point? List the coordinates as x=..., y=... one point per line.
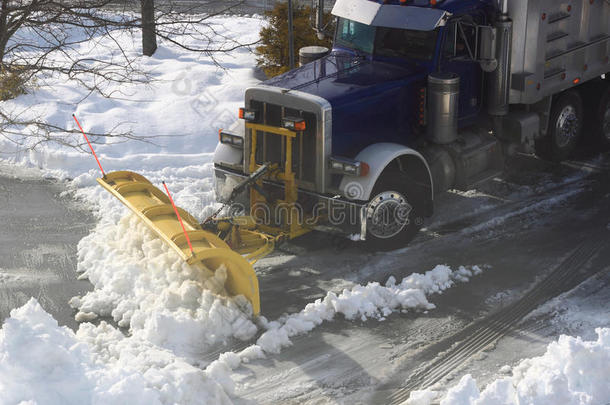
x=450, y=39
x=460, y=40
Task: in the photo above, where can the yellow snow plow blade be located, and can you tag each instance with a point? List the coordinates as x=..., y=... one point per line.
x=155, y=209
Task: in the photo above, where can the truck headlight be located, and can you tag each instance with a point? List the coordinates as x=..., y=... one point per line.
x=351, y=169
x=294, y=123
x=231, y=139
x=248, y=115
x=348, y=166
x=336, y=165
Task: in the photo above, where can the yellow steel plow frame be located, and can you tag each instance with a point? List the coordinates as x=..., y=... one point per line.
x=293, y=227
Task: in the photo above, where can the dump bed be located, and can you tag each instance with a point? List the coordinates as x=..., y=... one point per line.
x=557, y=44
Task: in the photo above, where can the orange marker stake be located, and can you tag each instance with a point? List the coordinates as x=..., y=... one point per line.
x=89, y=143
x=179, y=219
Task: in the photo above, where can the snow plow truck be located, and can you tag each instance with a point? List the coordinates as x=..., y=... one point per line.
x=415, y=97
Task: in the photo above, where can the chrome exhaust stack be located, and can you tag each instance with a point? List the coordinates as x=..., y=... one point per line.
x=443, y=98
x=499, y=79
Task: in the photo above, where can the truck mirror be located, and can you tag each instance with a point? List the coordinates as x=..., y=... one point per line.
x=487, y=49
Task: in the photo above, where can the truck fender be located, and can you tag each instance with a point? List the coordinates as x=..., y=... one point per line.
x=378, y=156
x=228, y=154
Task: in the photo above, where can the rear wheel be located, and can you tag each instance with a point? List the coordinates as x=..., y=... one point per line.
x=565, y=128
x=393, y=213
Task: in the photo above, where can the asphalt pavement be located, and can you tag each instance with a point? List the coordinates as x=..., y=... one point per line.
x=39, y=231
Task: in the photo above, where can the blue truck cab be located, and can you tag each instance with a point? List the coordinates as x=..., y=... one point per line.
x=374, y=76
x=414, y=98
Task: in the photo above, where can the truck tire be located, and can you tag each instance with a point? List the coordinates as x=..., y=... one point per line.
x=602, y=122
x=393, y=213
x=565, y=128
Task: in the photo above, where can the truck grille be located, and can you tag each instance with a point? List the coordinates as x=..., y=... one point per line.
x=271, y=148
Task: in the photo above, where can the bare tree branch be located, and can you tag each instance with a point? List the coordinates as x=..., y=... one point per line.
x=41, y=39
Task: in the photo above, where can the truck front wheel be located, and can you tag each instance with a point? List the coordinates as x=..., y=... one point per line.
x=565, y=128
x=393, y=214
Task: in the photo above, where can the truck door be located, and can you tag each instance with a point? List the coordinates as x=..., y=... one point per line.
x=459, y=56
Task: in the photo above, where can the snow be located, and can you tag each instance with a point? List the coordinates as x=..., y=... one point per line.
x=464, y=392
x=576, y=312
x=181, y=111
x=571, y=371
x=362, y=302
x=144, y=286
x=47, y=364
x=423, y=397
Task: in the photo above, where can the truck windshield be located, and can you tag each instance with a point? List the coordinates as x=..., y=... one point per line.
x=389, y=42
x=354, y=35
x=400, y=43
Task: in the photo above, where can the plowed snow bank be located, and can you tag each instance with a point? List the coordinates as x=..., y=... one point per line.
x=42, y=362
x=143, y=285
x=362, y=302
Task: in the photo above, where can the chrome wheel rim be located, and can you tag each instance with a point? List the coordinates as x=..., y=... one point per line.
x=388, y=214
x=567, y=126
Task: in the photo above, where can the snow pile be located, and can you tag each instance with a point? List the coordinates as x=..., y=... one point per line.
x=363, y=302
x=144, y=285
x=48, y=364
x=571, y=371
x=171, y=377
x=33, y=349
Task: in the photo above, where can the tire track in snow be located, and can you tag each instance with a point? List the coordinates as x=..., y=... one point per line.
x=468, y=224
x=483, y=334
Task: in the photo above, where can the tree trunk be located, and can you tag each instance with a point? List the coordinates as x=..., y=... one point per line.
x=149, y=37
x=3, y=30
x=290, y=36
